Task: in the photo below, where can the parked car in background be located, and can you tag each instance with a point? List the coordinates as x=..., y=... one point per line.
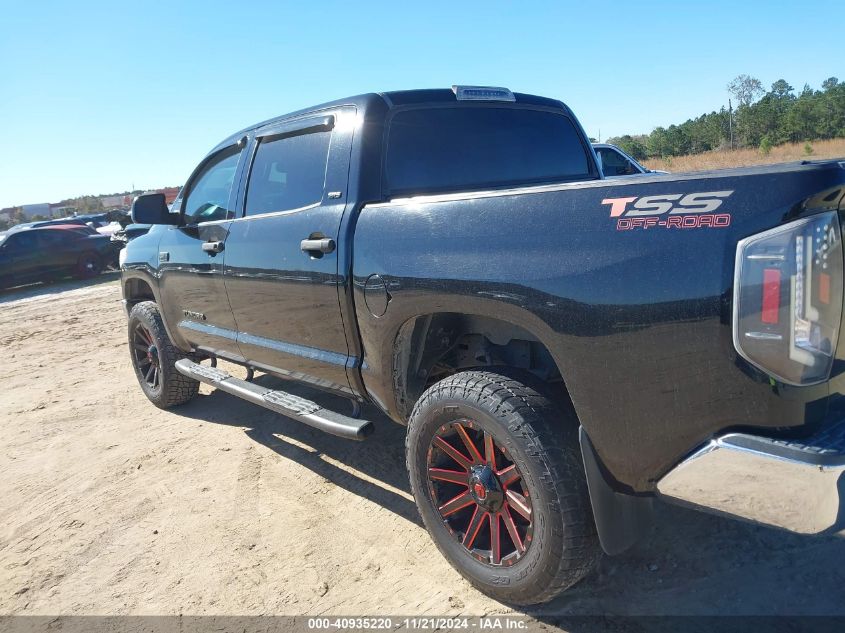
x=82, y=229
x=94, y=220
x=52, y=252
x=615, y=162
x=42, y=223
x=106, y=223
x=110, y=229
x=124, y=235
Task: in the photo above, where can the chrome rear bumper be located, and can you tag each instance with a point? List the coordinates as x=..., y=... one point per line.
x=798, y=486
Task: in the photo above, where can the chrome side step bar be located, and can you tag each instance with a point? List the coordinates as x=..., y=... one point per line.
x=288, y=404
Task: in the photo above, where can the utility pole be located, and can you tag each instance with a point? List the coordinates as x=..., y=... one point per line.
x=731, y=122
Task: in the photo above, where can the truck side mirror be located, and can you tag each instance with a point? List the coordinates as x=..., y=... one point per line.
x=151, y=208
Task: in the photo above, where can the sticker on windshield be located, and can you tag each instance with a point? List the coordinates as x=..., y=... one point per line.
x=670, y=211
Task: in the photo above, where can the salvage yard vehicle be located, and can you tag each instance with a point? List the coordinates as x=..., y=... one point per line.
x=563, y=348
x=53, y=251
x=129, y=233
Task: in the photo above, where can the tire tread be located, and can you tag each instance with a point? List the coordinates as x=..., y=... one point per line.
x=535, y=422
x=176, y=388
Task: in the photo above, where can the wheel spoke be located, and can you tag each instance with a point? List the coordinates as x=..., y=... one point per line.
x=148, y=376
x=452, y=452
x=464, y=514
x=474, y=526
x=145, y=335
x=510, y=526
x=452, y=476
x=508, y=476
x=144, y=361
x=457, y=503
x=473, y=451
x=155, y=377
x=140, y=347
x=519, y=503
x=489, y=450
x=495, y=539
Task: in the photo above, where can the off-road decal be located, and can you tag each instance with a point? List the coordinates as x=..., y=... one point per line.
x=670, y=211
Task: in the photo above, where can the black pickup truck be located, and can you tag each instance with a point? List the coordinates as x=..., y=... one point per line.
x=563, y=349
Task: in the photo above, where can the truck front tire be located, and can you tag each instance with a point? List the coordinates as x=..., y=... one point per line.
x=154, y=358
x=498, y=479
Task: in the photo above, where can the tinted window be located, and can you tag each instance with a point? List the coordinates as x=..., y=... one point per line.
x=23, y=241
x=209, y=195
x=288, y=173
x=58, y=237
x=615, y=164
x=463, y=148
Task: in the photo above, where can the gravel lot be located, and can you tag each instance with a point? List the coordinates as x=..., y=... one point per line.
x=111, y=506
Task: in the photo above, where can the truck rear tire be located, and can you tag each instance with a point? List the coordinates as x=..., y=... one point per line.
x=498, y=479
x=154, y=358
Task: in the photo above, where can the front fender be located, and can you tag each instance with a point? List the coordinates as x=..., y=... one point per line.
x=139, y=277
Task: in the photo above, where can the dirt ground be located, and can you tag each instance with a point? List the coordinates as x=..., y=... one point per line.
x=111, y=506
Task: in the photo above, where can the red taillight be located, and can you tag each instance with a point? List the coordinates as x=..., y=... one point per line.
x=788, y=292
x=824, y=288
x=771, y=295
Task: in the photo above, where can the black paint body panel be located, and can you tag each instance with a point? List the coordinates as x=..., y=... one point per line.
x=638, y=322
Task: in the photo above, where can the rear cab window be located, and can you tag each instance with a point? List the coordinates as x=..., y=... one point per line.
x=433, y=149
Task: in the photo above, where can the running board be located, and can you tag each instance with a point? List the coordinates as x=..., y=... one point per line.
x=292, y=406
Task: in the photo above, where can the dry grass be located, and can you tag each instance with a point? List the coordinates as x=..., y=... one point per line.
x=834, y=148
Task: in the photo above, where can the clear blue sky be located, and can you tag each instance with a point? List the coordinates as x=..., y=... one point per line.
x=98, y=96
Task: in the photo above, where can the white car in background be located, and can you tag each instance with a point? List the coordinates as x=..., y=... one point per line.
x=109, y=229
x=614, y=162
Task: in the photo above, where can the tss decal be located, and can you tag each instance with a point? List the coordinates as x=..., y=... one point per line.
x=670, y=210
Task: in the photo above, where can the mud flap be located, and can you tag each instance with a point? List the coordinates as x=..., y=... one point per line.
x=621, y=519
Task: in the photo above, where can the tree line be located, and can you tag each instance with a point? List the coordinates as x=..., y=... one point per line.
x=759, y=120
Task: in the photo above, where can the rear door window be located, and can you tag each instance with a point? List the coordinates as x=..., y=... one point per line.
x=58, y=238
x=289, y=172
x=463, y=148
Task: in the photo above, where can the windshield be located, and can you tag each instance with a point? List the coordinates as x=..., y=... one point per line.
x=461, y=148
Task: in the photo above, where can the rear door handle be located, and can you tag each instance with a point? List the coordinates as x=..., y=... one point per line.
x=213, y=247
x=324, y=245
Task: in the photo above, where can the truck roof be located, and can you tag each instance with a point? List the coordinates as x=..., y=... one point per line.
x=390, y=99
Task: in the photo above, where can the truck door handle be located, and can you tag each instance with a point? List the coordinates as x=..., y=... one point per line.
x=213, y=247
x=324, y=245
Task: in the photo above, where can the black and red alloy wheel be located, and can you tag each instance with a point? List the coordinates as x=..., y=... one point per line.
x=146, y=356
x=479, y=493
